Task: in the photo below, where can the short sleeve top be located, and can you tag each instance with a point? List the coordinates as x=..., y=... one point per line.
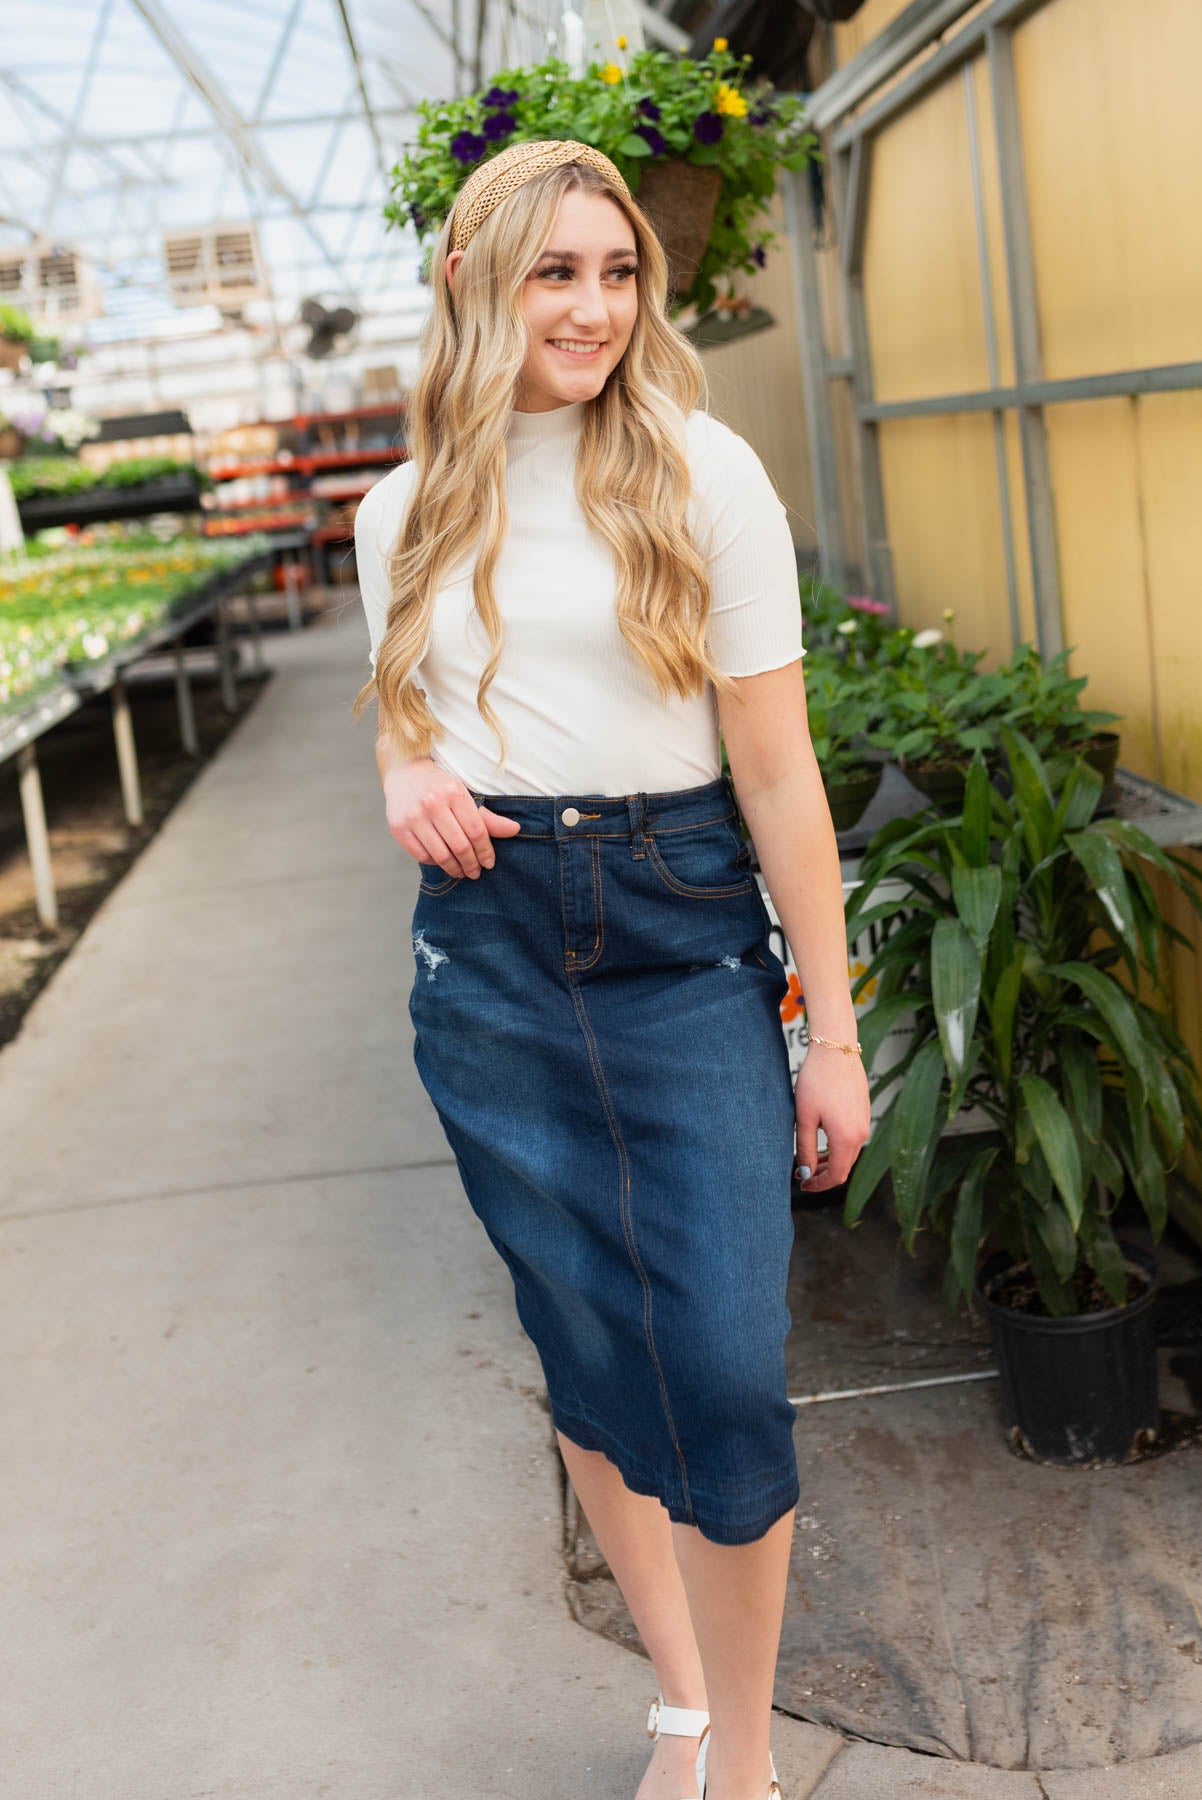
x=580, y=710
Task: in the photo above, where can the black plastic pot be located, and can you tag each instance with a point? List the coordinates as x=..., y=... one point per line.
x=1079, y=1390
x=942, y=783
x=1102, y=754
x=848, y=796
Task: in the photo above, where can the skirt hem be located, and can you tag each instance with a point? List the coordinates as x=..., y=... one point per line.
x=776, y=1498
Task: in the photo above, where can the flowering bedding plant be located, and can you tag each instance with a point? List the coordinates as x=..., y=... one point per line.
x=661, y=108
x=33, y=476
x=929, y=702
x=79, y=606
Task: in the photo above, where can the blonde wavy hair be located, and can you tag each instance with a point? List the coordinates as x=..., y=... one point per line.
x=632, y=473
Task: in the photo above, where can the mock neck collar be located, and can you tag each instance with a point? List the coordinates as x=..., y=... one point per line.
x=556, y=425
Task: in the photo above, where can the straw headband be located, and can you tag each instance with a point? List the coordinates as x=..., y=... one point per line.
x=493, y=181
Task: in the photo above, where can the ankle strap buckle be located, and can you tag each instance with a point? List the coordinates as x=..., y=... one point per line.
x=674, y=1721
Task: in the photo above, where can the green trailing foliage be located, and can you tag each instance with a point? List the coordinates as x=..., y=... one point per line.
x=1024, y=949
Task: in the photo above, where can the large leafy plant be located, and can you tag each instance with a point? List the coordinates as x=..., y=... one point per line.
x=659, y=108
x=1023, y=950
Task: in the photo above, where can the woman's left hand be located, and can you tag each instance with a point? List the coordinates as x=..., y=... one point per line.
x=831, y=1091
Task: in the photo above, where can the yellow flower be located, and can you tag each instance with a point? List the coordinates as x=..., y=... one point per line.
x=620, y=42
x=611, y=73
x=730, y=100
x=719, y=43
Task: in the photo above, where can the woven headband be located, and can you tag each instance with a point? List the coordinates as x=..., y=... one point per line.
x=493, y=181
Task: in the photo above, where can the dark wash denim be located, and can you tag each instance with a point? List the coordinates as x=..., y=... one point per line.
x=597, y=1023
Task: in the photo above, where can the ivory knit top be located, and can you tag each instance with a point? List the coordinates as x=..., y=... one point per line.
x=580, y=710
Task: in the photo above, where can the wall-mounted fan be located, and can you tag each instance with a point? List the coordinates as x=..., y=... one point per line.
x=326, y=325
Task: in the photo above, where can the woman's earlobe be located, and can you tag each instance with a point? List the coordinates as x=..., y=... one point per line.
x=450, y=266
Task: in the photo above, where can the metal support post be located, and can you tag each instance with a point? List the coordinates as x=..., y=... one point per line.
x=229, y=693
x=1028, y=355
x=256, y=630
x=852, y=169
x=292, y=594
x=37, y=838
x=991, y=350
x=127, y=756
x=820, y=428
x=183, y=702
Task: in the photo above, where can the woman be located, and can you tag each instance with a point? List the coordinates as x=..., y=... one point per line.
x=589, y=575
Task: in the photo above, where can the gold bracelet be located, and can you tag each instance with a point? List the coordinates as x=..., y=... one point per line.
x=847, y=1049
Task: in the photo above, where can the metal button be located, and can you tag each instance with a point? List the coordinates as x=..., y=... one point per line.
x=570, y=816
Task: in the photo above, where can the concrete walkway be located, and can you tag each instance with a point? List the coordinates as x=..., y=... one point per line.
x=280, y=1511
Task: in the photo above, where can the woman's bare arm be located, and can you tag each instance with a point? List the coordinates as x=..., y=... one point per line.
x=779, y=786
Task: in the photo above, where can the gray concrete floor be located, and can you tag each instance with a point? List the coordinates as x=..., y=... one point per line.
x=280, y=1511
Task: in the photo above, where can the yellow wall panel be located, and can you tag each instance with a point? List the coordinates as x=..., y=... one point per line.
x=1112, y=140
x=1169, y=446
x=755, y=385
x=1103, y=579
x=922, y=281
x=940, y=480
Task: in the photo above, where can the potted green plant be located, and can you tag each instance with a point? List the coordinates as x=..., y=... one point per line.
x=1024, y=951
x=16, y=335
x=696, y=144
x=1046, y=707
x=935, y=711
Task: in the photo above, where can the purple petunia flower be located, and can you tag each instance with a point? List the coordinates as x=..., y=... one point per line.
x=758, y=255
x=467, y=147
x=497, y=96
x=657, y=141
x=417, y=215
x=708, y=127
x=763, y=115
x=648, y=108
x=499, y=125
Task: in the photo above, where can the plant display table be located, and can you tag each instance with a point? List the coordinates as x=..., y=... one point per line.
x=76, y=641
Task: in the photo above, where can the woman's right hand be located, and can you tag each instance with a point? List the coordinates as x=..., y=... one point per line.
x=431, y=814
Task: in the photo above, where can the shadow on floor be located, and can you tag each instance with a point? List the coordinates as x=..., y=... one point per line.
x=947, y=1595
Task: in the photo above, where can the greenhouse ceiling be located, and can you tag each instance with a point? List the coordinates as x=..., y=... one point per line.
x=128, y=127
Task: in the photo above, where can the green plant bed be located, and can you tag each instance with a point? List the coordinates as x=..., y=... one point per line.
x=62, y=612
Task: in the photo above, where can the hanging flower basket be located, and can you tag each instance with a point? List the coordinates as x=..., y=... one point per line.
x=698, y=149
x=681, y=200
x=12, y=353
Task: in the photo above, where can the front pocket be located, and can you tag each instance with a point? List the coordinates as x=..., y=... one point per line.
x=701, y=861
x=435, y=880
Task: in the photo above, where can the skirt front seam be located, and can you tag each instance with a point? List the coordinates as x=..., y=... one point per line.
x=628, y=1235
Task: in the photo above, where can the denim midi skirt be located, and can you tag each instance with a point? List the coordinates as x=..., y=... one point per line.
x=597, y=1023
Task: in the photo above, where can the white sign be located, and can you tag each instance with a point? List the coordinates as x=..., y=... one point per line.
x=859, y=954
x=895, y=1043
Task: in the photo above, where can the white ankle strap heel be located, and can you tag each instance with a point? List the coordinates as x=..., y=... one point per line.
x=774, y=1789
x=676, y=1721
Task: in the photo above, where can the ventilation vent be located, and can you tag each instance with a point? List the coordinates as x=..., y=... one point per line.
x=53, y=284
x=218, y=266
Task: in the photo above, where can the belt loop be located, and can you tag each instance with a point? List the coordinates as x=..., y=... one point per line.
x=636, y=812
